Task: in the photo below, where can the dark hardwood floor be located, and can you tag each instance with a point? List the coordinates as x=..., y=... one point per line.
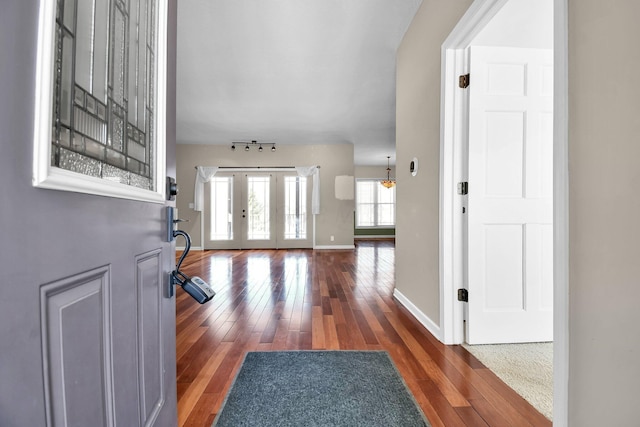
x=303, y=300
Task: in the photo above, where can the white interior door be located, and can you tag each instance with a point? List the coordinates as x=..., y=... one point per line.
x=261, y=210
x=510, y=237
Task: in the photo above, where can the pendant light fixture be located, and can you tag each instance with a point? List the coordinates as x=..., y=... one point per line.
x=388, y=183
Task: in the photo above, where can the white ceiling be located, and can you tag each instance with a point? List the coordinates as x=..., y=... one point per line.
x=291, y=72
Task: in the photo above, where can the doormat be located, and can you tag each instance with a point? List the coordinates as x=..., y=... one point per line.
x=319, y=388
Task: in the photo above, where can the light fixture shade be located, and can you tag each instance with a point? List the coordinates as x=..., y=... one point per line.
x=388, y=183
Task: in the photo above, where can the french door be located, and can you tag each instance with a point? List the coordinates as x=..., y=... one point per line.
x=257, y=210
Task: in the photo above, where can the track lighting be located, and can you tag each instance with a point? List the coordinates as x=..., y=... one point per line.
x=253, y=143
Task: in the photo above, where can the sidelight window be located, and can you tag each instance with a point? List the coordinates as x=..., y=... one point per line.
x=295, y=207
x=221, y=210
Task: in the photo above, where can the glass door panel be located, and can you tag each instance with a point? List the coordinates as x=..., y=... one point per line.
x=258, y=208
x=295, y=207
x=221, y=218
x=258, y=211
x=294, y=211
x=221, y=225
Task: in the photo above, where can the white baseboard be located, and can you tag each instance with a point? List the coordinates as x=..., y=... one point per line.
x=340, y=247
x=193, y=248
x=419, y=315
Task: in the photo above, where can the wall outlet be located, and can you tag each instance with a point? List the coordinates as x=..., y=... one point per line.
x=191, y=205
x=331, y=238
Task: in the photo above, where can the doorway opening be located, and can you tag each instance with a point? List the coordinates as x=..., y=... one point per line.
x=486, y=19
x=258, y=210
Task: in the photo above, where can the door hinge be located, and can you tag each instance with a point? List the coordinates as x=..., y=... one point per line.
x=463, y=81
x=463, y=295
x=463, y=188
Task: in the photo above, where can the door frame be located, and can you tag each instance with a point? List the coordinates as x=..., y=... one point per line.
x=453, y=128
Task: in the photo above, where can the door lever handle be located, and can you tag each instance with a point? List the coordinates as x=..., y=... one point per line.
x=171, y=222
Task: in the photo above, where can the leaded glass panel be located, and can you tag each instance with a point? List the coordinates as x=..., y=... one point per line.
x=66, y=80
x=84, y=43
x=101, y=52
x=75, y=162
x=139, y=181
x=104, y=90
x=69, y=14
x=118, y=49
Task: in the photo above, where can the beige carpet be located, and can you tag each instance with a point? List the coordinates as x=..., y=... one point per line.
x=526, y=368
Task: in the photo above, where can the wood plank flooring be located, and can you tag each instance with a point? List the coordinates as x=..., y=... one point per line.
x=303, y=300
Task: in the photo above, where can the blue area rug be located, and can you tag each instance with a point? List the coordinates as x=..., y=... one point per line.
x=319, y=388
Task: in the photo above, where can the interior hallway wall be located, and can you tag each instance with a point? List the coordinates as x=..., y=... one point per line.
x=604, y=224
x=418, y=135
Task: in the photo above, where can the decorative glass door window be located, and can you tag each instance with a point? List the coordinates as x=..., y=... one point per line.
x=104, y=102
x=101, y=98
x=295, y=207
x=258, y=207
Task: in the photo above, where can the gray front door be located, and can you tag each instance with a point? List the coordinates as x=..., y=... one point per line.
x=87, y=337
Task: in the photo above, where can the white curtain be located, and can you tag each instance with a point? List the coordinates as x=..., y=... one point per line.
x=203, y=174
x=314, y=172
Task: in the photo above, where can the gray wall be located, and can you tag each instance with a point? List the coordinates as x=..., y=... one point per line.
x=377, y=172
x=418, y=135
x=336, y=216
x=604, y=267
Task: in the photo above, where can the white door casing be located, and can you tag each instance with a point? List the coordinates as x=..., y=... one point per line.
x=510, y=234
